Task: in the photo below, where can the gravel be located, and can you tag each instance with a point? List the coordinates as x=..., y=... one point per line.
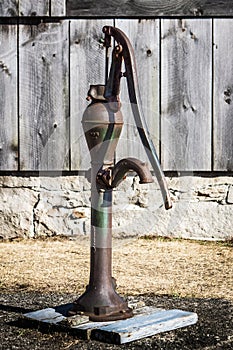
x=214, y=329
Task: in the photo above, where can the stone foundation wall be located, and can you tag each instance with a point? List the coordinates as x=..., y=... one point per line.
x=45, y=206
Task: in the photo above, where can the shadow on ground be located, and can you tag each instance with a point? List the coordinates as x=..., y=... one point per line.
x=214, y=329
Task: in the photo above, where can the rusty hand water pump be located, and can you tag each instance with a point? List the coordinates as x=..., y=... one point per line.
x=102, y=123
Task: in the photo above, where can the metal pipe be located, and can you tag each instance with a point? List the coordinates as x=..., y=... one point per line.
x=102, y=127
x=100, y=301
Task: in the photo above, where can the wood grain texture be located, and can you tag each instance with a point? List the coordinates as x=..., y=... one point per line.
x=8, y=8
x=149, y=8
x=8, y=98
x=146, y=322
x=110, y=8
x=144, y=37
x=58, y=8
x=87, y=66
x=43, y=97
x=186, y=94
x=223, y=95
x=144, y=325
x=33, y=8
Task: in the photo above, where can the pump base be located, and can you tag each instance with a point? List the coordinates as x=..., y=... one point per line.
x=103, y=313
x=114, y=316
x=120, y=315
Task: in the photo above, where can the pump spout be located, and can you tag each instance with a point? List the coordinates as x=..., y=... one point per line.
x=125, y=165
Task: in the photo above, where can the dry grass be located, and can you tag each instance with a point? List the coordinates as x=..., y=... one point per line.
x=174, y=267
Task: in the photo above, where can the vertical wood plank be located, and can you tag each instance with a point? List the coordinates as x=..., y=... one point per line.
x=43, y=97
x=87, y=66
x=8, y=8
x=33, y=8
x=8, y=98
x=223, y=94
x=58, y=7
x=186, y=94
x=144, y=37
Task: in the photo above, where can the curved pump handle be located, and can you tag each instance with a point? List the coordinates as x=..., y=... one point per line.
x=126, y=52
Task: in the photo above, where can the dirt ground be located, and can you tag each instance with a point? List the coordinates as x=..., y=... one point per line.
x=191, y=275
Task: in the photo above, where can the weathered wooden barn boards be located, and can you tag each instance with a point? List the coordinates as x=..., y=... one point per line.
x=223, y=90
x=43, y=96
x=8, y=98
x=149, y=8
x=186, y=85
x=50, y=53
x=87, y=66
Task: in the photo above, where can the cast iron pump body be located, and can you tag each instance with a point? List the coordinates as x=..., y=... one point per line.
x=102, y=123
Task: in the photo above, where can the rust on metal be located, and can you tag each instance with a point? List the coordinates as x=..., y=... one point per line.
x=102, y=124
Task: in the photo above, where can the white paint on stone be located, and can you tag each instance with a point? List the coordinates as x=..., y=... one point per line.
x=16, y=212
x=45, y=206
x=230, y=195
